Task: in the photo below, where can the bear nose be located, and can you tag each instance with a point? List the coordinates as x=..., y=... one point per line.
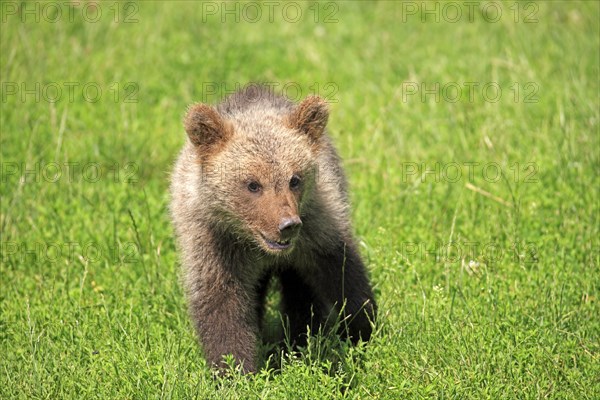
x=289, y=225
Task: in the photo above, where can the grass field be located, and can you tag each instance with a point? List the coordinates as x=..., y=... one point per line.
x=472, y=150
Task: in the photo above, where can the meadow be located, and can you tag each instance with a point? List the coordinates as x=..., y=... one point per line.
x=470, y=137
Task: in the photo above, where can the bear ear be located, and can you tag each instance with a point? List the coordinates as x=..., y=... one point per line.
x=310, y=117
x=205, y=127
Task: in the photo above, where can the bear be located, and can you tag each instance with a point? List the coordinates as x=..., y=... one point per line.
x=258, y=191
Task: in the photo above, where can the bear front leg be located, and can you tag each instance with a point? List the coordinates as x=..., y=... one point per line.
x=341, y=281
x=224, y=314
x=299, y=306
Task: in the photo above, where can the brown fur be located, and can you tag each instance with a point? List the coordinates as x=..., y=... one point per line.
x=228, y=233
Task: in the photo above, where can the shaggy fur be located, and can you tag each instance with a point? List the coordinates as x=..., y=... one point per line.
x=294, y=225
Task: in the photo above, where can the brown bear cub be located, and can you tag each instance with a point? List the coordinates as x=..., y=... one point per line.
x=257, y=191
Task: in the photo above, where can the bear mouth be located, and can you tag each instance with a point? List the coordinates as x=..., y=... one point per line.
x=277, y=245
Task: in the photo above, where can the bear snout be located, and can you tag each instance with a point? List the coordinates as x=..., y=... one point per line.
x=289, y=226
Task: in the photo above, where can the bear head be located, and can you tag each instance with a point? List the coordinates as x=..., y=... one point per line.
x=259, y=167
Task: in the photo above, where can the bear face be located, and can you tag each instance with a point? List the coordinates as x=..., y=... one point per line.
x=260, y=168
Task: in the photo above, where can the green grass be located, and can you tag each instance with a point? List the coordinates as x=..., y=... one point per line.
x=488, y=288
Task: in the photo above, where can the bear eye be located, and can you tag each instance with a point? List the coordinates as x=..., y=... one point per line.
x=253, y=186
x=295, y=182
